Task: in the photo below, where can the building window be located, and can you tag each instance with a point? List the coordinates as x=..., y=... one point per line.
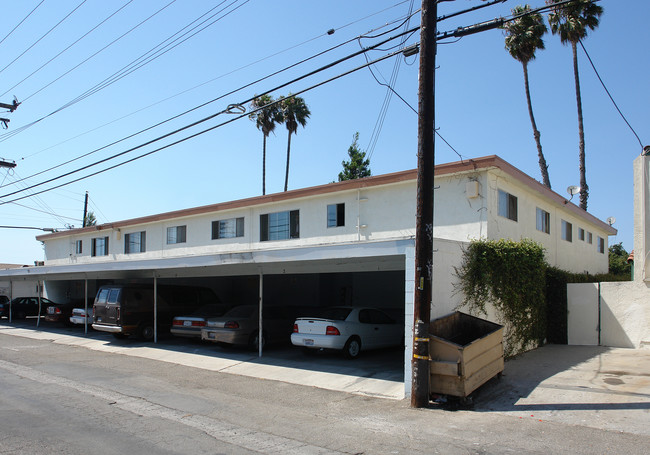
x=78, y=247
x=176, y=234
x=507, y=205
x=280, y=226
x=335, y=215
x=581, y=234
x=567, y=231
x=135, y=242
x=228, y=229
x=601, y=245
x=590, y=238
x=99, y=246
x=543, y=221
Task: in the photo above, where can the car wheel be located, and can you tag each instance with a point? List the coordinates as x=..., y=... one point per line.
x=145, y=332
x=253, y=342
x=352, y=348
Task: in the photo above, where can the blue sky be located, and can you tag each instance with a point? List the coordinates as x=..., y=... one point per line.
x=480, y=104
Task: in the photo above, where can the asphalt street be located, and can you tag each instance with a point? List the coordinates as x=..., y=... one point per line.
x=68, y=398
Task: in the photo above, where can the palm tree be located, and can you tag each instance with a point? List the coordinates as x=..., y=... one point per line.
x=523, y=38
x=571, y=23
x=266, y=114
x=294, y=112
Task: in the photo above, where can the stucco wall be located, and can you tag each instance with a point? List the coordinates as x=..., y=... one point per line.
x=624, y=314
x=19, y=289
x=575, y=256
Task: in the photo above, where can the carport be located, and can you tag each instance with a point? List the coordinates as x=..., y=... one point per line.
x=380, y=256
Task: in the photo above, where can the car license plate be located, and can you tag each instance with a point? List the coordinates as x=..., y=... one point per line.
x=308, y=342
x=50, y=310
x=187, y=323
x=211, y=335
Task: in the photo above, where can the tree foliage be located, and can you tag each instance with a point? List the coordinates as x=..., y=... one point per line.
x=294, y=112
x=266, y=115
x=618, y=261
x=90, y=219
x=511, y=276
x=358, y=166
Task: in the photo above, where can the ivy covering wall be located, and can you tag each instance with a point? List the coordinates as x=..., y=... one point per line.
x=510, y=276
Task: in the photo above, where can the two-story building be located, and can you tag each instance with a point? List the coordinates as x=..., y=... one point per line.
x=349, y=242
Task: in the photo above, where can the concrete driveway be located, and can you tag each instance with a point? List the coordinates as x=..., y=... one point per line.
x=599, y=387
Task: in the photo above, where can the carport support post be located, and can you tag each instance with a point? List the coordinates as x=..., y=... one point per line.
x=86, y=306
x=424, y=217
x=11, y=297
x=259, y=335
x=40, y=290
x=155, y=308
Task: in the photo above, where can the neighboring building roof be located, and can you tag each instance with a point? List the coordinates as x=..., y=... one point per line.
x=469, y=165
x=630, y=258
x=11, y=266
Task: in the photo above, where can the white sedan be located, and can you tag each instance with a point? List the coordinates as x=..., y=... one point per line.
x=349, y=329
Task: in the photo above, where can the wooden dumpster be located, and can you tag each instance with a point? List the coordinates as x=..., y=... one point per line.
x=465, y=351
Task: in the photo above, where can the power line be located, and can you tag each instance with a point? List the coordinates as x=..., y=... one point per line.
x=191, y=110
x=243, y=115
x=66, y=49
x=21, y=22
x=46, y=33
x=609, y=94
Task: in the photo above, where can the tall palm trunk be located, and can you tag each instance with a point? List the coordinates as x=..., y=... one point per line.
x=286, y=175
x=584, y=189
x=543, y=167
x=264, y=165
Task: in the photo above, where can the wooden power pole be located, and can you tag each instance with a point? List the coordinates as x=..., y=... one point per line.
x=424, y=217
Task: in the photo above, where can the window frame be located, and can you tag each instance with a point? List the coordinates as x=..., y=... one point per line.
x=78, y=247
x=567, y=231
x=293, y=226
x=216, y=231
x=543, y=221
x=142, y=242
x=507, y=205
x=179, y=234
x=581, y=234
x=600, y=244
x=335, y=215
x=590, y=238
x=94, y=246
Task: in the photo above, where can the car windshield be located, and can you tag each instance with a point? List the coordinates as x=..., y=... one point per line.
x=335, y=313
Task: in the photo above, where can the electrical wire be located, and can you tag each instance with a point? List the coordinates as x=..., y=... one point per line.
x=217, y=78
x=609, y=94
x=46, y=33
x=67, y=48
x=21, y=22
x=197, y=107
x=192, y=136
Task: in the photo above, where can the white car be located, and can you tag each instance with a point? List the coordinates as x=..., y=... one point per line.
x=81, y=316
x=348, y=329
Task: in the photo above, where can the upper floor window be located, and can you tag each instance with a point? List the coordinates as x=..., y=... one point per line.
x=135, y=242
x=601, y=245
x=581, y=234
x=176, y=234
x=78, y=247
x=99, y=246
x=335, y=215
x=507, y=205
x=280, y=226
x=543, y=221
x=590, y=238
x=567, y=231
x=227, y=229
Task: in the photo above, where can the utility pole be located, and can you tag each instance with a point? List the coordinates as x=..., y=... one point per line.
x=424, y=217
x=85, y=210
x=12, y=107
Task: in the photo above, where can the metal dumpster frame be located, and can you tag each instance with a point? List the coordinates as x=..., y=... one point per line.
x=465, y=352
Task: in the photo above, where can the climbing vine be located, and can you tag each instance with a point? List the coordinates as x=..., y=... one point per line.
x=511, y=276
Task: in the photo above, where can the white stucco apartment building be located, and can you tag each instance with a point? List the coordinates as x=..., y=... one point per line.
x=349, y=242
